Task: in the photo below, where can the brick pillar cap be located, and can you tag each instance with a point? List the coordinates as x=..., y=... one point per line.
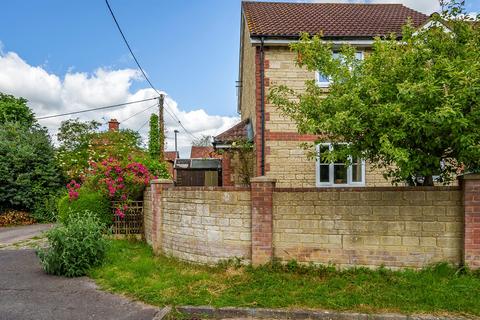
x=263, y=179
x=161, y=181
x=471, y=176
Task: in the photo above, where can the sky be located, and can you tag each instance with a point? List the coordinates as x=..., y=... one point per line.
x=68, y=55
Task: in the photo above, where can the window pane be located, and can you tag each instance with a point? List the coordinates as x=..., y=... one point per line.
x=357, y=171
x=323, y=150
x=359, y=55
x=322, y=78
x=324, y=173
x=340, y=174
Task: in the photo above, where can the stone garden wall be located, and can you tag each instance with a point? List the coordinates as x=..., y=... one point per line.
x=392, y=226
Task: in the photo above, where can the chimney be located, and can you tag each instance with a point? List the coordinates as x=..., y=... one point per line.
x=113, y=125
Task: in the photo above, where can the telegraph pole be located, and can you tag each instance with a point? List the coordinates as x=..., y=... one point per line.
x=161, y=127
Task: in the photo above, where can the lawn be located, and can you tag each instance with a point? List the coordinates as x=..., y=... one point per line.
x=131, y=269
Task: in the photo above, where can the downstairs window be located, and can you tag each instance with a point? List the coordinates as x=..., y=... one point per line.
x=338, y=174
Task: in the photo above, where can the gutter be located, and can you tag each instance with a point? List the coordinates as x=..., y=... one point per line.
x=262, y=105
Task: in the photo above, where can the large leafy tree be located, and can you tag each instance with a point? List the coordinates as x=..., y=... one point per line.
x=29, y=173
x=411, y=107
x=80, y=142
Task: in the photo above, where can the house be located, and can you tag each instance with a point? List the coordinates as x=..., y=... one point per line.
x=170, y=157
x=267, y=29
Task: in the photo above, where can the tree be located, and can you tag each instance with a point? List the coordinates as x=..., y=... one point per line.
x=153, y=135
x=28, y=171
x=80, y=143
x=411, y=107
x=203, y=141
x=14, y=109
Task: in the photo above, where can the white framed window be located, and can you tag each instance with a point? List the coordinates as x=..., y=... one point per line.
x=338, y=174
x=324, y=81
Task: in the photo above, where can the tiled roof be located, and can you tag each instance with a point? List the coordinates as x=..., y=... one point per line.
x=237, y=132
x=171, y=155
x=335, y=20
x=202, y=152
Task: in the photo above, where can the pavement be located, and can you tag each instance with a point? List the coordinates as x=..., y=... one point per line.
x=11, y=235
x=27, y=292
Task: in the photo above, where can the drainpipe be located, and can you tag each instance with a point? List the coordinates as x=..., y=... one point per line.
x=262, y=104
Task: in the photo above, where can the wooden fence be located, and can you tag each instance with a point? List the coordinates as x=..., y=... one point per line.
x=132, y=222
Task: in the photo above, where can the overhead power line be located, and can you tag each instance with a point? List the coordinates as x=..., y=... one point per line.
x=94, y=109
x=136, y=114
x=141, y=69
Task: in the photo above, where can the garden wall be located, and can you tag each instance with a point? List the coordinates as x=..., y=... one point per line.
x=398, y=227
x=391, y=226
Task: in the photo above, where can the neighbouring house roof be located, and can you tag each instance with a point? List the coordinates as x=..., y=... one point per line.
x=202, y=152
x=171, y=155
x=235, y=133
x=334, y=20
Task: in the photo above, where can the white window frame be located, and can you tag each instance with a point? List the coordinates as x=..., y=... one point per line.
x=332, y=183
x=326, y=84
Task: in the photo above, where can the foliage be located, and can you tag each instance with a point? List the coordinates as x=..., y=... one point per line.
x=132, y=269
x=15, y=218
x=243, y=149
x=116, y=181
x=411, y=107
x=87, y=200
x=28, y=172
x=75, y=246
x=203, y=141
x=46, y=210
x=80, y=144
x=156, y=168
x=153, y=137
x=15, y=110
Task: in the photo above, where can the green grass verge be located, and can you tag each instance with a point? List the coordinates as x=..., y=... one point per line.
x=131, y=269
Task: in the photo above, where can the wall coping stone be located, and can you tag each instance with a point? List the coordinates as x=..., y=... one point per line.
x=161, y=181
x=365, y=189
x=471, y=176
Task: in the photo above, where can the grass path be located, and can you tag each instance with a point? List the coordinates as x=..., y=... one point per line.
x=131, y=269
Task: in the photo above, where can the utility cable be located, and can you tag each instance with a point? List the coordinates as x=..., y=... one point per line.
x=140, y=67
x=136, y=114
x=93, y=109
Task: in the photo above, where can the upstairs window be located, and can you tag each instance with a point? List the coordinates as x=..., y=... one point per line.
x=325, y=81
x=338, y=174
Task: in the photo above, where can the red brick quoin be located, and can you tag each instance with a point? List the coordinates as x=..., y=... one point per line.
x=471, y=201
x=262, y=219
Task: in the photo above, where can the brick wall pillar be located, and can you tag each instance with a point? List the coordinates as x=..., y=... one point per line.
x=157, y=186
x=471, y=202
x=227, y=169
x=262, y=219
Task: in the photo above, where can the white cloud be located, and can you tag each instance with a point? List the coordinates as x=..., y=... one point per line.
x=49, y=94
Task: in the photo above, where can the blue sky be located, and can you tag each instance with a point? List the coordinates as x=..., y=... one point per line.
x=66, y=55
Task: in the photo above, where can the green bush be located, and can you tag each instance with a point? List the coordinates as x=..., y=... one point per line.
x=92, y=201
x=46, y=210
x=74, y=246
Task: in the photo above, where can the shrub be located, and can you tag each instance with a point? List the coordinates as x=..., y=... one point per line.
x=46, y=210
x=28, y=170
x=92, y=201
x=74, y=246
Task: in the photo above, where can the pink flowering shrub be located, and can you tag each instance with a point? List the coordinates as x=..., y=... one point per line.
x=118, y=182
x=72, y=188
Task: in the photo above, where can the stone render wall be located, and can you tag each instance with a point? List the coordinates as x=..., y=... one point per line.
x=286, y=160
x=395, y=227
x=206, y=225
